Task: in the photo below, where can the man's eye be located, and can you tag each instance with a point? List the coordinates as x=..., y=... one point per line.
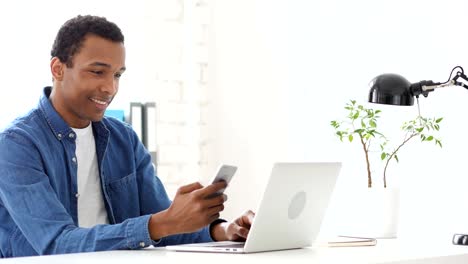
x=97, y=72
x=118, y=75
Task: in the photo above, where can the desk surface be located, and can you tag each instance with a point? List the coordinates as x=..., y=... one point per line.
x=386, y=251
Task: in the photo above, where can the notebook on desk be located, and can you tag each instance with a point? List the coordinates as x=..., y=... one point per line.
x=290, y=213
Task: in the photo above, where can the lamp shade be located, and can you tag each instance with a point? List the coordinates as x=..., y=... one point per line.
x=390, y=89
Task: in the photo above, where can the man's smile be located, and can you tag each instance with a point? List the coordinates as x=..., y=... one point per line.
x=101, y=103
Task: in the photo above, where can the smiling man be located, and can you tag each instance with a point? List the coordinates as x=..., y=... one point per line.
x=84, y=87
x=72, y=180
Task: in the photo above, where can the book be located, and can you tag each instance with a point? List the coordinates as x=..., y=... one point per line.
x=349, y=241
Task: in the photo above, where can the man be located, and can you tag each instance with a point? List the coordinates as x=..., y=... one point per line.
x=72, y=180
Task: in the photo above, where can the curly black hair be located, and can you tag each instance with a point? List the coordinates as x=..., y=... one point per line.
x=71, y=35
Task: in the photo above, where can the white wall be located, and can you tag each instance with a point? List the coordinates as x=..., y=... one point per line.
x=284, y=69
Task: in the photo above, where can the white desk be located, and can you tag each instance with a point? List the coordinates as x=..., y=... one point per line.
x=386, y=251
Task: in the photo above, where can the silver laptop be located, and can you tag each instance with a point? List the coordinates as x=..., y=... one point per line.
x=290, y=213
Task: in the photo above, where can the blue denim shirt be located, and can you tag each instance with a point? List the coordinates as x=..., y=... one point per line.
x=38, y=188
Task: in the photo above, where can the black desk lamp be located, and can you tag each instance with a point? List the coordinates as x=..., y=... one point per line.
x=394, y=89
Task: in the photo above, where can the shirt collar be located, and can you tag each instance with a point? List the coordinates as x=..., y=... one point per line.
x=59, y=127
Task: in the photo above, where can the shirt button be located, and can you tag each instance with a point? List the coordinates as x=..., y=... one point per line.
x=59, y=135
x=71, y=135
x=74, y=159
x=142, y=244
x=77, y=195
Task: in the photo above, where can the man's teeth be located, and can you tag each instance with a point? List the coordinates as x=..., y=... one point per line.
x=98, y=101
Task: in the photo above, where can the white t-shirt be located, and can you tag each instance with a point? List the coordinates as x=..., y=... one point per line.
x=91, y=209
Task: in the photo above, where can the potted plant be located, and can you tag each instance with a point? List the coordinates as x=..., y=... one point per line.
x=376, y=212
x=361, y=122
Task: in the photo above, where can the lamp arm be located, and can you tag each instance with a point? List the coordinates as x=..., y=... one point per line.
x=458, y=76
x=424, y=87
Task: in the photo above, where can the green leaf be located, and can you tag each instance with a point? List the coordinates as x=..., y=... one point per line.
x=353, y=102
x=396, y=158
x=383, y=156
x=439, y=119
x=372, y=123
x=429, y=138
x=356, y=115
x=420, y=129
x=350, y=138
x=378, y=111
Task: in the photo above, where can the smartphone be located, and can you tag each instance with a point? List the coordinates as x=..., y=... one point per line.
x=224, y=173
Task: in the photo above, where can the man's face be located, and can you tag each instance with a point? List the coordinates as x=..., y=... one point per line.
x=82, y=93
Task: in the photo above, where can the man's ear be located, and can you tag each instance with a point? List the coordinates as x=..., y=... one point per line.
x=57, y=68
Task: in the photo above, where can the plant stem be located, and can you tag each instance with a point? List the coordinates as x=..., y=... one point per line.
x=369, y=177
x=391, y=156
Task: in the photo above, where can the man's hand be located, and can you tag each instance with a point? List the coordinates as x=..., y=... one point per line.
x=238, y=230
x=189, y=211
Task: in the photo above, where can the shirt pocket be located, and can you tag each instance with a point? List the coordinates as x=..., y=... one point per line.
x=124, y=197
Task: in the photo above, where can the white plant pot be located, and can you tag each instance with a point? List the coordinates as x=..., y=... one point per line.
x=373, y=212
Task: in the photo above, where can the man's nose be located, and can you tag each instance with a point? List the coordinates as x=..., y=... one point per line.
x=111, y=86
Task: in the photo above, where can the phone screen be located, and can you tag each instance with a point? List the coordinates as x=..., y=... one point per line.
x=224, y=173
